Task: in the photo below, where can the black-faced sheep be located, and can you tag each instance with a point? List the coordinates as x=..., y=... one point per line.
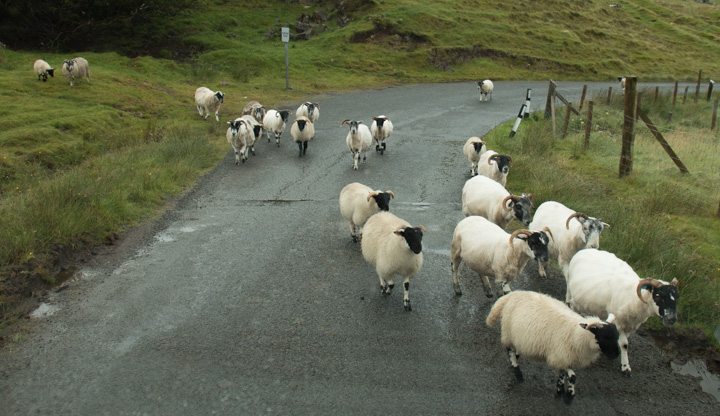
x=359, y=202
x=599, y=283
x=43, y=69
x=275, y=122
x=208, y=101
x=381, y=128
x=256, y=130
x=302, y=131
x=472, y=149
x=541, y=328
x=238, y=135
x=76, y=68
x=255, y=109
x=494, y=166
x=309, y=110
x=491, y=252
x=393, y=246
x=358, y=140
x=486, y=88
x=484, y=197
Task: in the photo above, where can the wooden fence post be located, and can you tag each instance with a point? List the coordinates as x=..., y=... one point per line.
x=697, y=88
x=657, y=92
x=552, y=111
x=626, y=155
x=710, y=87
x=550, y=98
x=669, y=117
x=582, y=97
x=675, y=93
x=588, y=127
x=567, y=119
x=609, y=95
x=714, y=116
x=685, y=95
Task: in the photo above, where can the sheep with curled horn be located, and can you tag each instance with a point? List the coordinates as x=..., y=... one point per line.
x=487, y=198
x=495, y=166
x=359, y=202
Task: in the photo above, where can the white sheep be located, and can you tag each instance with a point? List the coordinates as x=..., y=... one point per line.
x=599, y=283
x=309, y=110
x=255, y=109
x=238, y=135
x=487, y=198
x=569, y=236
x=302, y=131
x=621, y=81
x=491, y=252
x=43, y=69
x=208, y=101
x=494, y=166
x=359, y=202
x=76, y=68
x=486, y=88
x=393, y=246
x=255, y=129
x=381, y=128
x=541, y=328
x=275, y=122
x=358, y=140
x=472, y=149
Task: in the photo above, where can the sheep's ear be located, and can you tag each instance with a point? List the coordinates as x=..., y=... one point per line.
x=584, y=325
x=674, y=282
x=400, y=232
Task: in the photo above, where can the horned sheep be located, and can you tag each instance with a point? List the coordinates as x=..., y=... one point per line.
x=302, y=131
x=275, y=122
x=255, y=109
x=358, y=140
x=76, y=68
x=309, y=110
x=494, y=166
x=359, y=202
x=541, y=328
x=393, y=246
x=486, y=88
x=600, y=283
x=208, y=101
x=487, y=198
x=381, y=128
x=491, y=252
x=472, y=149
x=43, y=69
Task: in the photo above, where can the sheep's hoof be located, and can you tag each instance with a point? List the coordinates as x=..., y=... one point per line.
x=457, y=289
x=626, y=373
x=407, y=305
x=518, y=374
x=355, y=239
x=377, y=147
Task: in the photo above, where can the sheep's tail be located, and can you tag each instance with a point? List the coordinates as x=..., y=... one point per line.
x=496, y=312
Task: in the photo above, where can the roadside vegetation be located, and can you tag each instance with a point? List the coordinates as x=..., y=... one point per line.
x=80, y=164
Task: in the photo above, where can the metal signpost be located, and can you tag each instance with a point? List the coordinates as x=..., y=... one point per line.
x=286, y=39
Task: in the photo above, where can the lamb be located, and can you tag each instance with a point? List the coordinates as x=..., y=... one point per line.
x=486, y=88
x=43, y=69
x=600, y=283
x=393, y=246
x=309, y=110
x=208, y=101
x=238, y=135
x=569, y=236
x=472, y=150
x=381, y=128
x=302, y=131
x=359, y=202
x=255, y=109
x=275, y=122
x=488, y=251
x=494, y=166
x=255, y=129
x=76, y=68
x=544, y=329
x=358, y=140
x=487, y=198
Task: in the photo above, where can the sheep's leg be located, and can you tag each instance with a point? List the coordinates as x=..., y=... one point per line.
x=486, y=286
x=570, y=383
x=624, y=360
x=304, y=147
x=386, y=285
x=352, y=232
x=277, y=139
x=300, y=148
x=364, y=155
x=455, y=260
x=514, y=363
x=505, y=285
x=356, y=156
x=237, y=158
x=406, y=297
x=560, y=385
x=217, y=118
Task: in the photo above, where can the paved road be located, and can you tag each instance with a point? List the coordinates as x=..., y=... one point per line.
x=250, y=298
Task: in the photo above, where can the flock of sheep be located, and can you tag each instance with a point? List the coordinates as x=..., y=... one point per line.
x=71, y=69
x=533, y=325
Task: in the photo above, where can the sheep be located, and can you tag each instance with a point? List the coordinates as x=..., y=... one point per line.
x=237, y=135
x=358, y=140
x=302, y=131
x=393, y=246
x=494, y=166
x=486, y=88
x=43, y=69
x=309, y=110
x=621, y=81
x=600, y=283
x=569, y=236
x=381, y=128
x=255, y=130
x=255, y=109
x=76, y=68
x=472, y=150
x=359, y=202
x=489, y=251
x=544, y=329
x=487, y=198
x=275, y=122
x=208, y=101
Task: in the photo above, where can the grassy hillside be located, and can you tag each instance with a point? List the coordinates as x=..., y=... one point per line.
x=79, y=164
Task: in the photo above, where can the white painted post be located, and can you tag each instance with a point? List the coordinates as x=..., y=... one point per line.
x=518, y=120
x=527, y=103
x=286, y=39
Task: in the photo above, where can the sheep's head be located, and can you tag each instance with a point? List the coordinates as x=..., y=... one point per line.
x=503, y=162
x=51, y=72
x=234, y=127
x=537, y=242
x=301, y=122
x=413, y=237
x=284, y=114
x=520, y=205
x=382, y=199
x=664, y=296
x=353, y=125
x=69, y=63
x=478, y=145
x=591, y=228
x=606, y=335
x=220, y=96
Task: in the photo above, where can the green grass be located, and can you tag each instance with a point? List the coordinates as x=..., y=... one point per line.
x=78, y=164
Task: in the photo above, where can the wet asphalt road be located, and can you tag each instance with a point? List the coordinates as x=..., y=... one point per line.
x=250, y=298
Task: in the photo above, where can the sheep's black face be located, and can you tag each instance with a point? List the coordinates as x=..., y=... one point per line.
x=478, y=146
x=383, y=201
x=220, y=96
x=538, y=243
x=665, y=297
x=234, y=127
x=607, y=338
x=503, y=163
x=413, y=238
x=301, y=124
x=51, y=72
x=380, y=121
x=522, y=210
x=284, y=115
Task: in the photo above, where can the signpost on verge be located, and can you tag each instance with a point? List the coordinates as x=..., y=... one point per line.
x=286, y=39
